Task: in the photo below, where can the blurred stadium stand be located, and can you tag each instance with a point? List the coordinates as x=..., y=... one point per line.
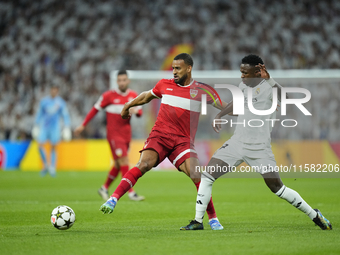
x=78, y=43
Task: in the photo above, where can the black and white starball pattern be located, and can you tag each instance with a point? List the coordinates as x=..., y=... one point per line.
x=63, y=217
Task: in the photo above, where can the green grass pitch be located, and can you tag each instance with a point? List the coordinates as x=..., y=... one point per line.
x=255, y=220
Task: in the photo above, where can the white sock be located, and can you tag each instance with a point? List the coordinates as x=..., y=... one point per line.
x=292, y=197
x=203, y=196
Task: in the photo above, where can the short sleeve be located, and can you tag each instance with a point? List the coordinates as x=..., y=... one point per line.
x=212, y=95
x=101, y=103
x=157, y=90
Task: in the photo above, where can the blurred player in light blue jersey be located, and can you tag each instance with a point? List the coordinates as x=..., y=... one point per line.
x=47, y=127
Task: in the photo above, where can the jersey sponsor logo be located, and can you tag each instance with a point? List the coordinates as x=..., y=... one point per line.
x=169, y=89
x=116, y=101
x=193, y=93
x=119, y=152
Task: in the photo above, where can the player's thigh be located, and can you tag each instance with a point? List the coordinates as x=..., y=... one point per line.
x=183, y=149
x=184, y=157
x=229, y=154
x=158, y=145
x=112, y=145
x=42, y=137
x=191, y=168
x=119, y=149
x=261, y=160
x=148, y=159
x=123, y=161
x=216, y=168
x=54, y=135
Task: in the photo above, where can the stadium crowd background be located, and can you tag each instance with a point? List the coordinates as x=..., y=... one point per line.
x=77, y=43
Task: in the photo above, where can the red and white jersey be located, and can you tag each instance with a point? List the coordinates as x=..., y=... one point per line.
x=180, y=107
x=112, y=102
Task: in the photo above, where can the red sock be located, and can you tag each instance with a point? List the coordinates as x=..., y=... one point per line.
x=111, y=176
x=127, y=182
x=210, y=209
x=124, y=170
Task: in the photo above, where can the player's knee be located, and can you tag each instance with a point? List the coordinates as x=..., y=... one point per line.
x=116, y=164
x=195, y=180
x=144, y=166
x=124, y=161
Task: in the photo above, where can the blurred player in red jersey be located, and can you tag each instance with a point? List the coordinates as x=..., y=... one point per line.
x=118, y=129
x=174, y=132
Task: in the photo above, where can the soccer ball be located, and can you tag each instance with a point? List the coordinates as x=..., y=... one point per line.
x=63, y=217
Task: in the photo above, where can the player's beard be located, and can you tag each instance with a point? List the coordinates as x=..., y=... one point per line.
x=181, y=80
x=123, y=89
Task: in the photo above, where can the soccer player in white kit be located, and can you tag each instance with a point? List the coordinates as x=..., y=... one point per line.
x=251, y=145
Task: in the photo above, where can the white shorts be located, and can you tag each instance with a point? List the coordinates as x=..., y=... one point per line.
x=258, y=156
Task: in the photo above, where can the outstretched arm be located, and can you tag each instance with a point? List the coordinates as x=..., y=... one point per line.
x=226, y=110
x=143, y=98
x=100, y=104
x=87, y=119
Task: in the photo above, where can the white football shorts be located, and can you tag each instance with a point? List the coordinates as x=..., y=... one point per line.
x=258, y=156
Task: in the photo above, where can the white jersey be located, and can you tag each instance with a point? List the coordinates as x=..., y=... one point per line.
x=262, y=100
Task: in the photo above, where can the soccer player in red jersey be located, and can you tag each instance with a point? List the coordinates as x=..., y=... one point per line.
x=174, y=132
x=118, y=129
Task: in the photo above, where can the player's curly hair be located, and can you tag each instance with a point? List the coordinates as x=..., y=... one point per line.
x=252, y=60
x=186, y=58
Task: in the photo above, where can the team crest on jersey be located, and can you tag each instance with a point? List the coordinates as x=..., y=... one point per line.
x=119, y=152
x=257, y=91
x=193, y=93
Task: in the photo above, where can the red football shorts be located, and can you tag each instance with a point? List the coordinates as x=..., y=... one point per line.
x=176, y=148
x=118, y=148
